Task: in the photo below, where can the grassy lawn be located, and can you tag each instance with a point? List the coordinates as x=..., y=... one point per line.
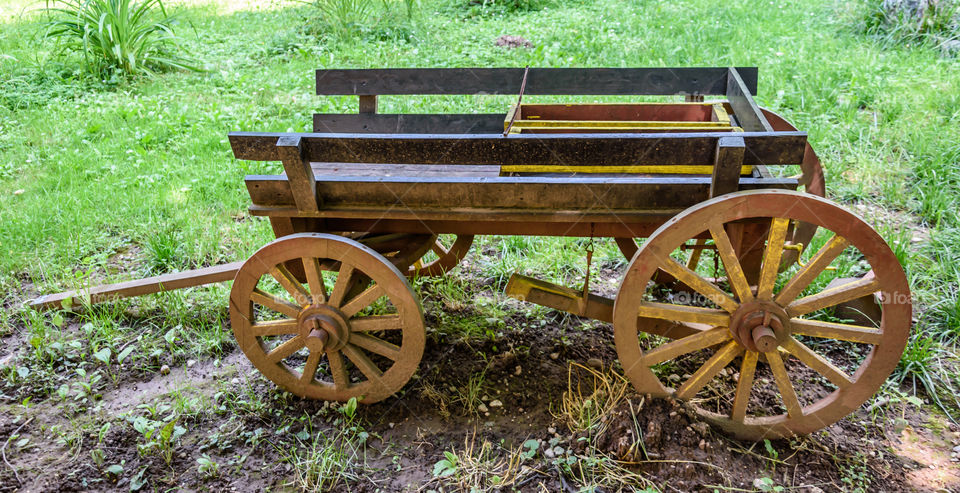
x=120, y=179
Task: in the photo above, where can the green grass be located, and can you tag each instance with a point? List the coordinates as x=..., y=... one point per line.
x=109, y=180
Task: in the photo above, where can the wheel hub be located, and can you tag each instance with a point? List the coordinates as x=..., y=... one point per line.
x=760, y=325
x=323, y=328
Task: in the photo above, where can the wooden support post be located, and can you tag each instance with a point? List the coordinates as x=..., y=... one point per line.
x=303, y=183
x=368, y=104
x=745, y=109
x=727, y=163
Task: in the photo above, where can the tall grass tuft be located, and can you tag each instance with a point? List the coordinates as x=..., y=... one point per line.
x=913, y=21
x=118, y=36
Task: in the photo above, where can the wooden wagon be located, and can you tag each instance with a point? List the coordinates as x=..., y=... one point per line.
x=326, y=311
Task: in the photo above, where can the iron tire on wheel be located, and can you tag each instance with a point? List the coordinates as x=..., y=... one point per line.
x=362, y=338
x=758, y=323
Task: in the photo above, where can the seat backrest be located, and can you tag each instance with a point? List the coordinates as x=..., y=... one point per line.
x=370, y=83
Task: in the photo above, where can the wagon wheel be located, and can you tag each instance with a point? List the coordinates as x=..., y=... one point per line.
x=421, y=255
x=842, y=364
x=315, y=339
x=445, y=252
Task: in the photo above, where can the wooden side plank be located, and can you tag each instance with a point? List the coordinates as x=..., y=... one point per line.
x=569, y=81
x=140, y=287
x=727, y=164
x=770, y=148
x=500, y=193
x=745, y=109
x=483, y=123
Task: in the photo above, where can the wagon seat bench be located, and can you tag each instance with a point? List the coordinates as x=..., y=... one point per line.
x=326, y=311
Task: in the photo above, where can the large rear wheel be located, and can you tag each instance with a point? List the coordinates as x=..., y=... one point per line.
x=766, y=357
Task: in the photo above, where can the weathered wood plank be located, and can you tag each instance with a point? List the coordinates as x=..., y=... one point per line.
x=139, y=287
x=570, y=81
x=745, y=109
x=322, y=170
x=770, y=148
x=483, y=123
x=727, y=164
x=368, y=104
x=394, y=194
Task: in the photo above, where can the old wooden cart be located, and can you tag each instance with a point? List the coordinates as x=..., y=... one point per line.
x=325, y=311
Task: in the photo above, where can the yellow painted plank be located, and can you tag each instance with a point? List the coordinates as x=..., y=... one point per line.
x=666, y=169
x=616, y=124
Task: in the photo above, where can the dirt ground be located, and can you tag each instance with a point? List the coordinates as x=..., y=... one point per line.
x=241, y=423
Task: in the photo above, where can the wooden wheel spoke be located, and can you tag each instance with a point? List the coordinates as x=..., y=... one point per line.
x=684, y=313
x=708, y=370
x=787, y=393
x=376, y=345
x=274, y=303
x=310, y=369
x=377, y=322
x=744, y=386
x=439, y=249
x=343, y=283
x=285, y=349
x=363, y=363
x=738, y=280
x=695, y=255
x=820, y=364
x=311, y=267
x=811, y=270
x=698, y=283
x=686, y=345
x=274, y=327
x=771, y=257
x=362, y=300
x=833, y=330
x=291, y=284
x=830, y=297
x=338, y=371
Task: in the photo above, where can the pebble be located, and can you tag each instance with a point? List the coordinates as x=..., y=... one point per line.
x=674, y=377
x=518, y=371
x=673, y=414
x=551, y=430
x=165, y=370
x=554, y=355
x=191, y=362
x=391, y=425
x=496, y=403
x=703, y=445
x=596, y=363
x=482, y=408
x=956, y=449
x=235, y=381
x=548, y=453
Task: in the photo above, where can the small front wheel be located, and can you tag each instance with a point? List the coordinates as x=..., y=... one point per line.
x=354, y=328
